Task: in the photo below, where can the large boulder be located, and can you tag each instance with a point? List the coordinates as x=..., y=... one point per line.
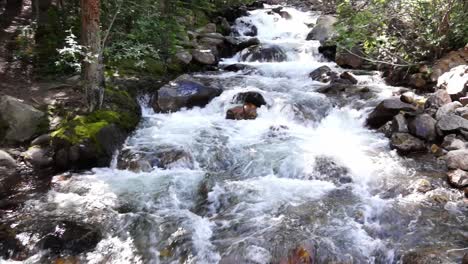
x=324, y=30
x=405, y=143
x=21, y=120
x=386, y=110
x=423, y=126
x=183, y=93
x=452, y=123
x=262, y=53
x=457, y=159
x=458, y=178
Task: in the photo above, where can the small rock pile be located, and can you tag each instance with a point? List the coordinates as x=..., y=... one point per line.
x=437, y=124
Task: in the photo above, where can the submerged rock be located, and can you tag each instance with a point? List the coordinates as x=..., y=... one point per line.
x=70, y=238
x=183, y=93
x=386, y=110
x=20, y=120
x=262, y=53
x=405, y=143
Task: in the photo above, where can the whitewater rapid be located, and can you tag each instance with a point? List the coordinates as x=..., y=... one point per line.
x=253, y=190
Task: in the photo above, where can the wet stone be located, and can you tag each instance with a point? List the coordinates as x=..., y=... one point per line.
x=451, y=142
x=386, y=110
x=254, y=98
x=405, y=143
x=70, y=238
x=457, y=159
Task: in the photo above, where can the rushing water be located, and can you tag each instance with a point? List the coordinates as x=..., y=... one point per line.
x=305, y=174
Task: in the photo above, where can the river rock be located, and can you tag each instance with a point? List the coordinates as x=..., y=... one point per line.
x=438, y=99
x=241, y=44
x=399, y=124
x=43, y=140
x=183, y=93
x=417, y=80
x=324, y=30
x=386, y=110
x=246, y=112
x=208, y=28
x=212, y=39
x=423, y=126
x=328, y=168
x=261, y=53
x=458, y=178
x=22, y=120
x=184, y=56
x=350, y=77
x=204, y=56
x=457, y=159
x=321, y=74
x=452, y=123
x=6, y=160
x=408, y=97
x=351, y=59
x=239, y=67
x=38, y=157
x=422, y=257
x=423, y=186
x=455, y=81
x=254, y=98
x=451, y=142
x=72, y=238
x=405, y=143
x=447, y=109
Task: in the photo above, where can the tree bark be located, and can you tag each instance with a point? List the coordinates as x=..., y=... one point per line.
x=93, y=74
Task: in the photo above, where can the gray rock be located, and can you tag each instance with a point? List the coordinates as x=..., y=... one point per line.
x=183, y=93
x=320, y=74
x=457, y=159
x=423, y=126
x=349, y=76
x=38, y=157
x=447, y=109
x=451, y=142
x=6, y=160
x=43, y=140
x=184, y=56
x=438, y=99
x=324, y=29
x=452, y=123
x=399, y=124
x=405, y=143
x=264, y=53
x=423, y=186
x=386, y=110
x=23, y=120
x=408, y=97
x=208, y=28
x=458, y=178
x=212, y=39
x=204, y=56
x=462, y=111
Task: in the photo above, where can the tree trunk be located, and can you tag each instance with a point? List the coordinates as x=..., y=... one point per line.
x=93, y=74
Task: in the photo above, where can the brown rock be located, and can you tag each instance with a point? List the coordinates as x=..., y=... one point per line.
x=349, y=76
x=245, y=112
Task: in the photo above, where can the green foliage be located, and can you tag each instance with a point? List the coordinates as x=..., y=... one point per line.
x=403, y=31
